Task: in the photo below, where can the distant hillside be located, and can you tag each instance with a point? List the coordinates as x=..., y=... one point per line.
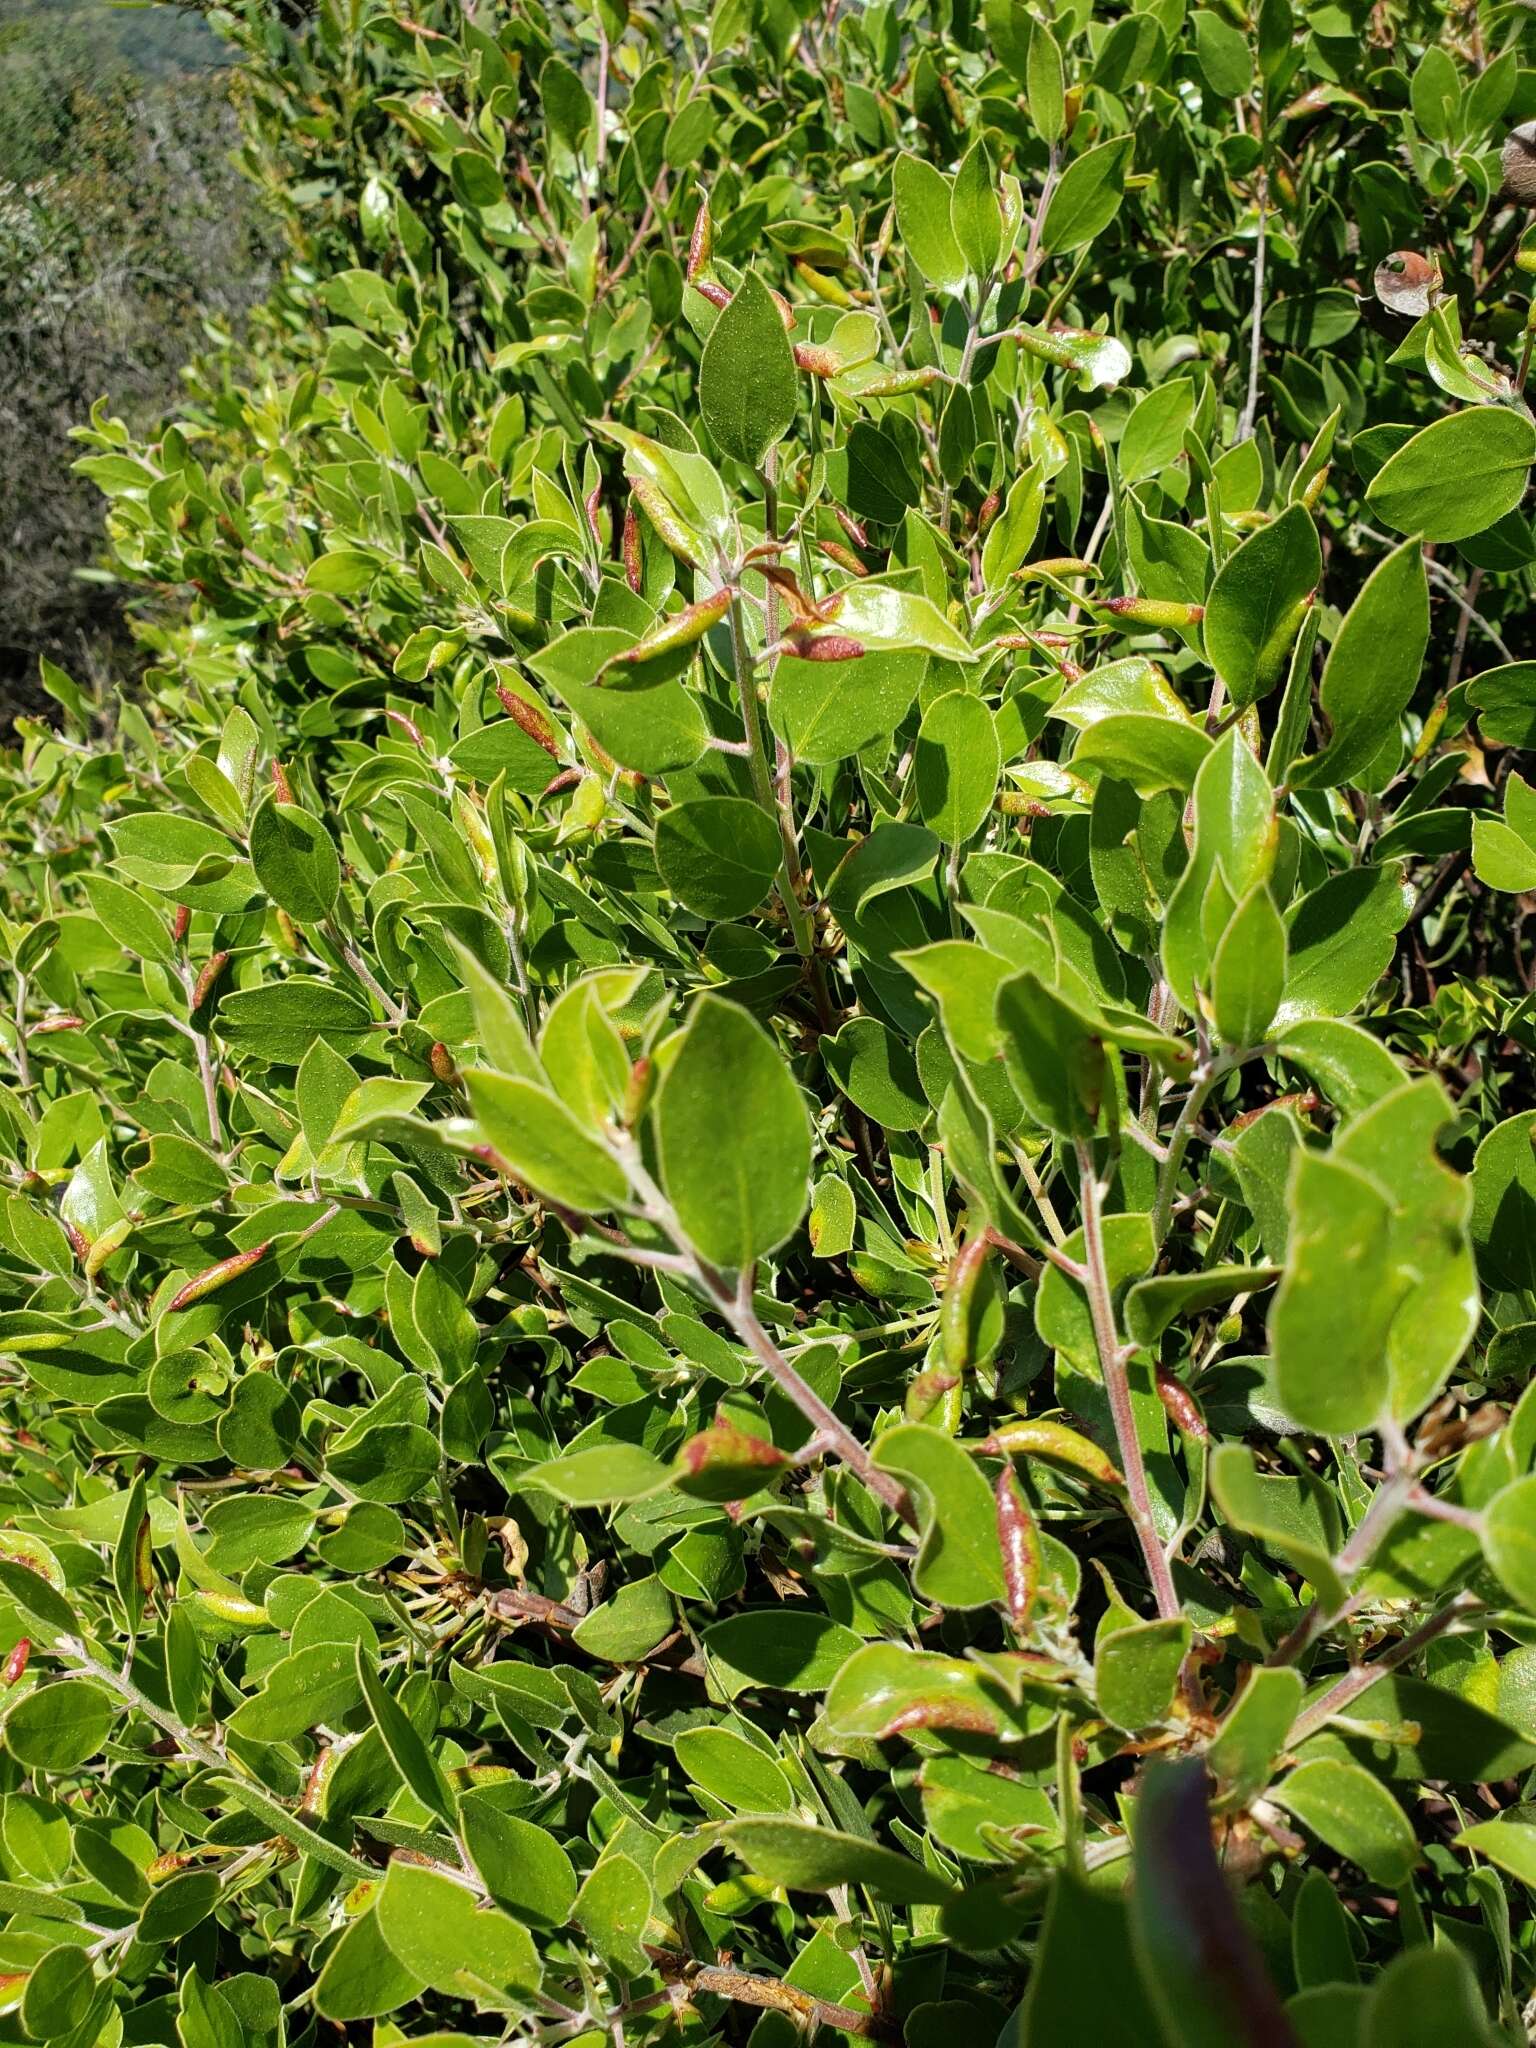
x=124, y=230
x=156, y=41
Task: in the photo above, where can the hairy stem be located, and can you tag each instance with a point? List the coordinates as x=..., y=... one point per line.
x=1178, y=1144
x=71, y=1651
x=395, y=1012
x=739, y=1312
x=1113, y=1359
x=735, y=1305
x=23, y=1062
x=765, y=793
x=1256, y=336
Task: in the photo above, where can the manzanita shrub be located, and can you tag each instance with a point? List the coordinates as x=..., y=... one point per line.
x=768, y=1251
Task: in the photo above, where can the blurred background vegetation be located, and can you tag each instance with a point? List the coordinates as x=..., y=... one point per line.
x=128, y=239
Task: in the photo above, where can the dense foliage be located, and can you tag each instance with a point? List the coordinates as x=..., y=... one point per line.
x=768, y=1257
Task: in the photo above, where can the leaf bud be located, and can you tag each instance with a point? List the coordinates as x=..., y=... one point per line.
x=701, y=243
x=530, y=719
x=824, y=287
x=203, y=987
x=212, y=1278
x=1018, y=1536
x=1054, y=1442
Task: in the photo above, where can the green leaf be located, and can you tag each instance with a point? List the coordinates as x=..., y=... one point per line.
x=1372, y=670
x=1054, y=1054
x=181, y=1903
x=1329, y=1321
x=959, y=1563
x=957, y=763
x=1248, y=970
x=734, y=1771
x=1222, y=52
x=45, y=1613
x=888, y=621
x=1457, y=476
x=295, y=861
x=57, y=1727
x=718, y=854
x=1354, y=1814
x=543, y=1144
x=208, y=2018
x=1424, y=1998
x=1154, y=433
x=826, y=710
x=1233, y=854
x=1429, y=1252
x=1257, y=603
x=780, y=1648
x=1253, y=1731
x=603, y=1475
x=1509, y=1844
x=1136, y=1672
x=1085, y=1984
x=1151, y=1305
x=653, y=730
x=975, y=216
x=808, y=1858
x=748, y=386
x=1504, y=855
x=436, y=1932
x=281, y=1020
x=877, y=1073
x=1150, y=752
x=1435, y=93
x=732, y=1137
x=316, y=1684
x=1012, y=533
x=362, y=1978
x=60, y=1991
x=1341, y=938
x=418, y=1767
x=1506, y=704
x=1509, y=1538
x=1296, y=1518
x=626, y=1627
x=923, y=202
x=1504, y=1203
x=884, y=1689
x=613, y=1909
x=1410, y=1730
x=1045, y=84
x=523, y=1867
x=1087, y=198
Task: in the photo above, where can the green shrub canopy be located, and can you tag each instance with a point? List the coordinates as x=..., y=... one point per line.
x=768, y=1246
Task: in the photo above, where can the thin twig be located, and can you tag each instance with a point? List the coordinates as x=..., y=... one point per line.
x=769, y=1994
x=1364, y=1676
x=23, y=1062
